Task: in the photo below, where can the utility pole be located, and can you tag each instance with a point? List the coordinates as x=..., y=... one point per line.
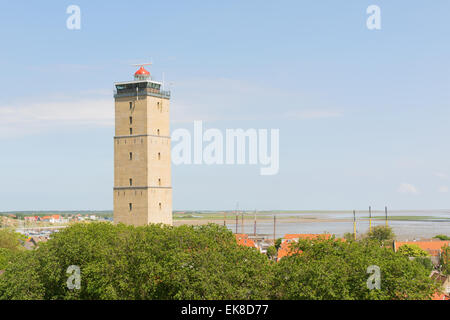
x=242, y=222
x=385, y=213
x=254, y=225
x=274, y=228
x=354, y=225
x=370, y=219
x=236, y=213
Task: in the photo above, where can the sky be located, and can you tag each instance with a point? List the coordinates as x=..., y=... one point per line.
x=363, y=115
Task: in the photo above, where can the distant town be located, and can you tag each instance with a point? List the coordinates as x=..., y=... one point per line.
x=39, y=226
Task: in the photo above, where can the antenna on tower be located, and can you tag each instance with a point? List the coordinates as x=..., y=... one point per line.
x=163, y=87
x=142, y=64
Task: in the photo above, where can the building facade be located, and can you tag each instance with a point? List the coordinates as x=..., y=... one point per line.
x=142, y=172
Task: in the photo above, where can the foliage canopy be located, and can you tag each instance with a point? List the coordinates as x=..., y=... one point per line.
x=204, y=262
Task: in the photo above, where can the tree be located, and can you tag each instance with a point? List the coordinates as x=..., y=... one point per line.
x=272, y=252
x=425, y=262
x=10, y=243
x=331, y=269
x=382, y=234
x=348, y=236
x=149, y=262
x=442, y=237
x=10, y=239
x=21, y=280
x=204, y=262
x=445, y=260
x=412, y=250
x=6, y=256
x=278, y=243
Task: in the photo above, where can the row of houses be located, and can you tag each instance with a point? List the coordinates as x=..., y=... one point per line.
x=433, y=247
x=56, y=218
x=262, y=243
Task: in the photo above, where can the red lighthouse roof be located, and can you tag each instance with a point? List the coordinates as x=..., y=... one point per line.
x=142, y=71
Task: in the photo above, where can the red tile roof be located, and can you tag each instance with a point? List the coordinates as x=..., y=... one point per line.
x=440, y=296
x=432, y=247
x=141, y=71
x=307, y=236
x=285, y=250
x=247, y=242
x=243, y=240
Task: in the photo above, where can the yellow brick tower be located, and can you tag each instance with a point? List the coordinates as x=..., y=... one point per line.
x=142, y=176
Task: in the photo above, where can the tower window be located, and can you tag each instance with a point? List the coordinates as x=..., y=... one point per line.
x=157, y=131
x=159, y=181
x=131, y=105
x=131, y=155
x=131, y=182
x=160, y=206
x=130, y=206
x=131, y=131
x=159, y=155
x=131, y=120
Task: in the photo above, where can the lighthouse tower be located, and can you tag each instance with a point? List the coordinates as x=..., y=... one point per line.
x=142, y=174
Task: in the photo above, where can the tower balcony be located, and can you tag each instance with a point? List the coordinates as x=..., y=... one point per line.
x=140, y=88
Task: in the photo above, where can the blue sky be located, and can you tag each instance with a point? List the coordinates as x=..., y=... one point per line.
x=363, y=114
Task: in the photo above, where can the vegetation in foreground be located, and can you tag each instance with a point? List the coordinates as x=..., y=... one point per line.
x=203, y=262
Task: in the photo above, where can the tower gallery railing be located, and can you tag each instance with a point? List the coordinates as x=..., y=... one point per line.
x=141, y=92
